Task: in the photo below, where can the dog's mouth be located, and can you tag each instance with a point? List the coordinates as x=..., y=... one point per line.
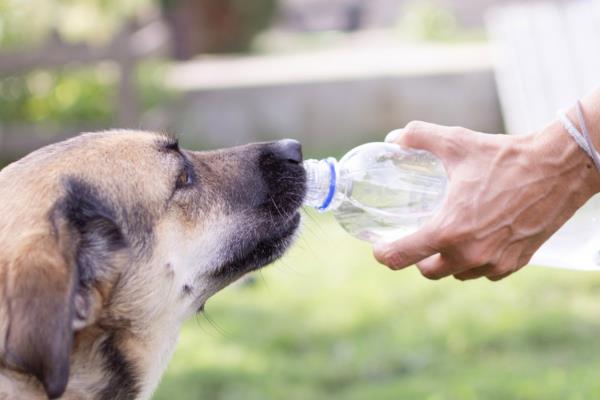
x=252, y=256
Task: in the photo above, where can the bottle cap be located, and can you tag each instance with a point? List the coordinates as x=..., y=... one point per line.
x=332, y=185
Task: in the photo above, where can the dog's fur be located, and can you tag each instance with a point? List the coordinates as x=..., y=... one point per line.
x=109, y=241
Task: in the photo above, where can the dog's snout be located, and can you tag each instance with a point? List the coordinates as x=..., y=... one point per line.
x=283, y=175
x=288, y=150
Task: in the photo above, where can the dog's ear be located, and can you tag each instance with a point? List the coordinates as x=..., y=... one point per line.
x=39, y=291
x=49, y=276
x=93, y=220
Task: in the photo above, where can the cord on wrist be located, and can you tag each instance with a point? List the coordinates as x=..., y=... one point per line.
x=582, y=137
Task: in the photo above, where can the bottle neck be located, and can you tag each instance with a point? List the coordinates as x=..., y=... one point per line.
x=321, y=183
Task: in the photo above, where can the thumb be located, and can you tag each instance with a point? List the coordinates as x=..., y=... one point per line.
x=423, y=136
x=407, y=251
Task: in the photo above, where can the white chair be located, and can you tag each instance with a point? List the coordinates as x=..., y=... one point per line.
x=547, y=55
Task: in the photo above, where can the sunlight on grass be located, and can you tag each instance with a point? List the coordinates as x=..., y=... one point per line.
x=327, y=322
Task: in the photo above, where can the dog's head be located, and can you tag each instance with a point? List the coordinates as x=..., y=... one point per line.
x=109, y=231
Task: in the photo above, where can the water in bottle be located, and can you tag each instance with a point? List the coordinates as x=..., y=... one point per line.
x=378, y=191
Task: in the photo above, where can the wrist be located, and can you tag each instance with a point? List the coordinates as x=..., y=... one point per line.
x=555, y=152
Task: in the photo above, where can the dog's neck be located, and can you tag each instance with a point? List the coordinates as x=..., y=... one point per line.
x=130, y=357
x=125, y=365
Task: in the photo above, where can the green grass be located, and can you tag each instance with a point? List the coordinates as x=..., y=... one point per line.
x=328, y=323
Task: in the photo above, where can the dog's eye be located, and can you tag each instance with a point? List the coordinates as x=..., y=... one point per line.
x=184, y=179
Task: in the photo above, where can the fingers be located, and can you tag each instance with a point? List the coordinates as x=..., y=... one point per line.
x=475, y=273
x=502, y=273
x=512, y=261
x=406, y=251
x=463, y=268
x=425, y=136
x=496, y=278
x=437, y=267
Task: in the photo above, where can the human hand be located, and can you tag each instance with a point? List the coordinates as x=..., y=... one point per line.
x=506, y=196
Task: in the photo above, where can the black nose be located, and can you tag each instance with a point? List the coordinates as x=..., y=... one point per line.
x=288, y=150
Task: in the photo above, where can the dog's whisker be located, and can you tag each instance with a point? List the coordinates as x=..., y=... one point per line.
x=215, y=325
x=284, y=217
x=264, y=280
x=298, y=272
x=315, y=221
x=308, y=229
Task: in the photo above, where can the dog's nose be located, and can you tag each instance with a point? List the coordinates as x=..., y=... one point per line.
x=288, y=150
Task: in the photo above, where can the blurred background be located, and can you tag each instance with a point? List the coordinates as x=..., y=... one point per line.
x=326, y=321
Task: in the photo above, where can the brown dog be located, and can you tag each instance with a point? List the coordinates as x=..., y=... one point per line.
x=111, y=240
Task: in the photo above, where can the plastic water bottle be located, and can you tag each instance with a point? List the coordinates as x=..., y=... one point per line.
x=378, y=191
x=382, y=192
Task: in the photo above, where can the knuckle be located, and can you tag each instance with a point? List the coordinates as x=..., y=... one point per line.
x=497, y=278
x=457, y=141
x=500, y=272
x=477, y=260
x=478, y=256
x=415, y=127
x=443, y=237
x=459, y=131
x=454, y=235
x=524, y=260
x=520, y=265
x=449, y=238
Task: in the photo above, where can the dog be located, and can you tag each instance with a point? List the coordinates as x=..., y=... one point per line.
x=110, y=240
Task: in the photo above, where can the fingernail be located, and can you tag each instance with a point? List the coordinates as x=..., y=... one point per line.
x=393, y=135
x=380, y=247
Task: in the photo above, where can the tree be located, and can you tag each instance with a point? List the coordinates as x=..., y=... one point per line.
x=216, y=26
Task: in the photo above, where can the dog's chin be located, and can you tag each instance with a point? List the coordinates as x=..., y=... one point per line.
x=262, y=252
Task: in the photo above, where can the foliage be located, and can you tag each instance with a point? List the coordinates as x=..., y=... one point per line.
x=83, y=95
x=29, y=22
x=431, y=21
x=426, y=20
x=74, y=95
x=66, y=96
x=328, y=323
x=71, y=95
